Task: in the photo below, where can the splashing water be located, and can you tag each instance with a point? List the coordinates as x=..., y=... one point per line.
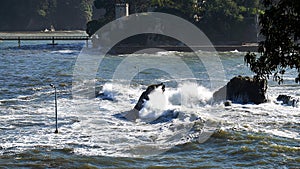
x=155, y=107
x=161, y=126
x=257, y=136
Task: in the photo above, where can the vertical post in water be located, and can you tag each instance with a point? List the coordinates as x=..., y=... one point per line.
x=56, y=125
x=19, y=41
x=53, y=41
x=55, y=98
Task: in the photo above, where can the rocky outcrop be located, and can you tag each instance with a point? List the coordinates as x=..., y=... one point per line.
x=288, y=100
x=243, y=90
x=144, y=97
x=227, y=103
x=133, y=114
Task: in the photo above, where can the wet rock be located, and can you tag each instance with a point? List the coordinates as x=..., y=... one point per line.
x=144, y=97
x=288, y=100
x=105, y=96
x=243, y=90
x=227, y=103
x=133, y=115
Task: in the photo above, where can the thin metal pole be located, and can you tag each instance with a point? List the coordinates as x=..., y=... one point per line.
x=56, y=130
x=55, y=98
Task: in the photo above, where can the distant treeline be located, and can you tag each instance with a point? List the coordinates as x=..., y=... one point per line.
x=222, y=20
x=33, y=15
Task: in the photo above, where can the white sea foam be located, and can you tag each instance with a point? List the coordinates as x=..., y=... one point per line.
x=154, y=107
x=65, y=51
x=89, y=125
x=106, y=130
x=235, y=51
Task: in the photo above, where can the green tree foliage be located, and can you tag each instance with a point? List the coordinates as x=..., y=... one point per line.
x=86, y=10
x=41, y=14
x=222, y=11
x=136, y=6
x=72, y=13
x=46, y=10
x=221, y=20
x=8, y=11
x=280, y=49
x=93, y=26
x=218, y=16
x=182, y=8
x=226, y=20
x=108, y=5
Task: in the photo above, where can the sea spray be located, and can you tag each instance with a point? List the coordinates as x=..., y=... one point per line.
x=155, y=106
x=108, y=91
x=190, y=95
x=174, y=100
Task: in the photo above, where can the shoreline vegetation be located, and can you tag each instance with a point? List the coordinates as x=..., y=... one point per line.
x=224, y=23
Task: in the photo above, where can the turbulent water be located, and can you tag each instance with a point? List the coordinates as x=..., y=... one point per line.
x=179, y=129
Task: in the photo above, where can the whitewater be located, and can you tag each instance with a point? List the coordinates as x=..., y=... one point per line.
x=177, y=128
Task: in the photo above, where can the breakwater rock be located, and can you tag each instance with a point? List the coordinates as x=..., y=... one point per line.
x=288, y=100
x=243, y=90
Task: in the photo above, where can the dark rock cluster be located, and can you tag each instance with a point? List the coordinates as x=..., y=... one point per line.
x=243, y=90
x=287, y=100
